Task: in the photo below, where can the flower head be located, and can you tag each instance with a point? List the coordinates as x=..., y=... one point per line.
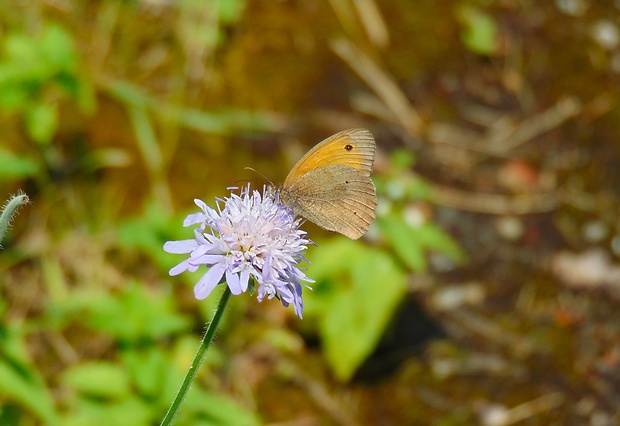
x=253, y=236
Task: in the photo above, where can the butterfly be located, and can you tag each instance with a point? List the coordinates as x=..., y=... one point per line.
x=331, y=184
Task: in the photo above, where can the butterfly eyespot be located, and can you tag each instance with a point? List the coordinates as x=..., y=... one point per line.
x=348, y=147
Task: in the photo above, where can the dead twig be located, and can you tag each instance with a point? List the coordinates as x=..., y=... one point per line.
x=510, y=416
x=502, y=140
x=494, y=203
x=504, y=136
x=382, y=84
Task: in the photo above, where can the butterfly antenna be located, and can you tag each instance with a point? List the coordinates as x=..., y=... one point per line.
x=260, y=174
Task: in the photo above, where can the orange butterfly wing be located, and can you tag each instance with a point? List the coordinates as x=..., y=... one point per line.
x=354, y=148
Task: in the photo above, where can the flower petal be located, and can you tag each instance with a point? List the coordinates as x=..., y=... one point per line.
x=200, y=250
x=209, y=280
x=181, y=267
x=244, y=279
x=179, y=247
x=194, y=218
x=208, y=259
x=233, y=282
x=201, y=204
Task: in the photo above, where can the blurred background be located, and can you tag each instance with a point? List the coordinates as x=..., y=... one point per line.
x=486, y=292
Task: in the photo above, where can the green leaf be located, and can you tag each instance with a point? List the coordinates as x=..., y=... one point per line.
x=136, y=314
x=225, y=121
x=32, y=395
x=148, y=232
x=20, y=381
x=231, y=10
x=98, y=379
x=147, y=140
x=14, y=96
x=88, y=412
x=411, y=243
x=479, y=32
x=16, y=167
x=42, y=122
x=357, y=292
x=30, y=65
x=22, y=52
x=402, y=159
x=403, y=239
x=201, y=407
x=432, y=237
x=58, y=48
x=147, y=368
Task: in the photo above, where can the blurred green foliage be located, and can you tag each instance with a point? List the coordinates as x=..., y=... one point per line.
x=479, y=33
x=13, y=166
x=22, y=385
x=122, y=340
x=36, y=72
x=359, y=288
x=357, y=291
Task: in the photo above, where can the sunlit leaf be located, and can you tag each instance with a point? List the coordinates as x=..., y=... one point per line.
x=132, y=315
x=479, y=32
x=230, y=11
x=226, y=121
x=42, y=122
x=98, y=379
x=434, y=238
x=16, y=167
x=147, y=368
x=92, y=412
x=138, y=313
x=148, y=232
x=21, y=382
x=412, y=243
x=147, y=140
x=357, y=292
x=58, y=47
x=207, y=408
x=403, y=239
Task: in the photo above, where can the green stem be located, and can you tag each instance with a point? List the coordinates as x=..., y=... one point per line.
x=193, y=369
x=9, y=210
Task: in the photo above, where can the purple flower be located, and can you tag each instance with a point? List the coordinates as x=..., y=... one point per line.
x=253, y=236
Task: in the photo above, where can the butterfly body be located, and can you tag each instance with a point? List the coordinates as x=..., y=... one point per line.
x=331, y=184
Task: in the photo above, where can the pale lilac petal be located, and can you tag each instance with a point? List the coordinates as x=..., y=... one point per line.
x=207, y=259
x=266, y=273
x=260, y=293
x=298, y=301
x=209, y=280
x=181, y=267
x=208, y=210
x=180, y=247
x=194, y=218
x=200, y=250
x=211, y=239
x=232, y=279
x=201, y=204
x=244, y=279
x=286, y=295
